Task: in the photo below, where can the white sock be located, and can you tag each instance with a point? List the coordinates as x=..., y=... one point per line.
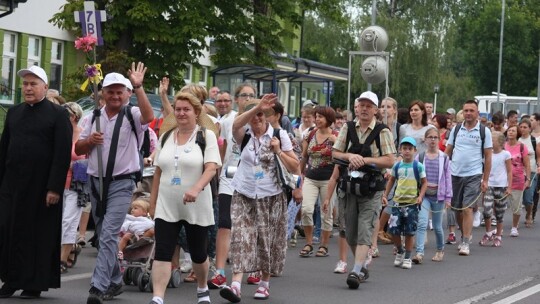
x=157, y=300
x=236, y=284
x=264, y=284
x=187, y=256
x=200, y=290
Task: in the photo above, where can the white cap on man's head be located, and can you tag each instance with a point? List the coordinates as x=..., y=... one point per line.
x=368, y=95
x=308, y=103
x=114, y=78
x=451, y=111
x=128, y=84
x=34, y=69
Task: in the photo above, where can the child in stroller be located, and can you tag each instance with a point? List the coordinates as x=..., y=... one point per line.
x=138, y=229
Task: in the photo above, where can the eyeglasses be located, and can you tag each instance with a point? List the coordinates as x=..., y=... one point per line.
x=245, y=95
x=223, y=100
x=432, y=137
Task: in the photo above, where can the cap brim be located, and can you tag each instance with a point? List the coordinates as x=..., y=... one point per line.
x=25, y=72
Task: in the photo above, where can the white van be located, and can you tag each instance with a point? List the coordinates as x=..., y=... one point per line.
x=488, y=105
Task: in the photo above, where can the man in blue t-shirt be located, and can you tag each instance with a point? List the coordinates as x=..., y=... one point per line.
x=470, y=167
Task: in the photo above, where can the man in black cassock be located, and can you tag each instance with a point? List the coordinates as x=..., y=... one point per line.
x=35, y=153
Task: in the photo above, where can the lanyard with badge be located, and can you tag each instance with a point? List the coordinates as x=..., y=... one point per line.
x=258, y=172
x=176, y=180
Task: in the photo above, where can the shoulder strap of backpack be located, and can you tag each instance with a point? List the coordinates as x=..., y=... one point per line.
x=201, y=140
x=165, y=136
x=374, y=136
x=482, y=138
x=396, y=168
x=129, y=116
x=311, y=135
x=533, y=142
x=417, y=175
x=351, y=135
x=456, y=131
x=245, y=141
x=398, y=126
x=521, y=150
x=277, y=135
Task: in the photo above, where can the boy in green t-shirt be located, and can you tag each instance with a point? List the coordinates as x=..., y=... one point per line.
x=408, y=196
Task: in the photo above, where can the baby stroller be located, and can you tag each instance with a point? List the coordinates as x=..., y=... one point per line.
x=137, y=265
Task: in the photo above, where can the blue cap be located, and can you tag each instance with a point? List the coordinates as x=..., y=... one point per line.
x=408, y=140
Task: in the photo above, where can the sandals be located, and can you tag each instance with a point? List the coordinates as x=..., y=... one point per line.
x=63, y=267
x=322, y=252
x=191, y=278
x=73, y=255
x=306, y=251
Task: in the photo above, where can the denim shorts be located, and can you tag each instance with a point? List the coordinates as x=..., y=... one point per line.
x=404, y=220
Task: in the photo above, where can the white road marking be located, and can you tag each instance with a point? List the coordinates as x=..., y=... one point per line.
x=74, y=277
x=497, y=291
x=520, y=295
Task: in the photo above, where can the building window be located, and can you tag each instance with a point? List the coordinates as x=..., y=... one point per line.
x=57, y=58
x=188, y=73
x=34, y=51
x=203, y=75
x=304, y=95
x=315, y=95
x=9, y=57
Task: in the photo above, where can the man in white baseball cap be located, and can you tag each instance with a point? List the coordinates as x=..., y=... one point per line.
x=35, y=70
x=363, y=202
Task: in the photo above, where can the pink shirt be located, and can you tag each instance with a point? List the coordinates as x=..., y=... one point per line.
x=518, y=169
x=127, y=152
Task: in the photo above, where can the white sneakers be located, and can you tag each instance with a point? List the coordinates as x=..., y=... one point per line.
x=399, y=259
x=464, y=249
x=514, y=232
x=341, y=267
x=477, y=219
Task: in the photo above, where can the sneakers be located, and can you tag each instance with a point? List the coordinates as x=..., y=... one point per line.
x=113, y=291
x=375, y=253
x=477, y=219
x=218, y=281
x=418, y=258
x=486, y=239
x=341, y=267
x=231, y=294
x=95, y=296
x=186, y=266
x=407, y=264
x=253, y=279
x=464, y=249
x=399, y=259
x=262, y=293
x=497, y=242
x=439, y=255
x=316, y=240
x=514, y=232
x=294, y=238
x=451, y=238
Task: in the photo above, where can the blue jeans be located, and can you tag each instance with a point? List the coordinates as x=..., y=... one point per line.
x=423, y=217
x=528, y=194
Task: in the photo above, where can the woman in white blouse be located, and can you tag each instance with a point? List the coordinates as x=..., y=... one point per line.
x=259, y=206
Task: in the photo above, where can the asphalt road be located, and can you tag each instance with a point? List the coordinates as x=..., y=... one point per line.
x=488, y=275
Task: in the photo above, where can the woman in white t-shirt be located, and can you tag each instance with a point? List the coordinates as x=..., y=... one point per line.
x=416, y=126
x=181, y=195
x=527, y=139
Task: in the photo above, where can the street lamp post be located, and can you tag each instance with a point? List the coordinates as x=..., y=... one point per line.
x=435, y=90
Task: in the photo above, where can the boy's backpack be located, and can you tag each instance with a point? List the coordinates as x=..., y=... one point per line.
x=416, y=172
x=482, y=136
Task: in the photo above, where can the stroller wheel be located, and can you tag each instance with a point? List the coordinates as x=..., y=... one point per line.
x=127, y=276
x=175, y=279
x=135, y=273
x=143, y=281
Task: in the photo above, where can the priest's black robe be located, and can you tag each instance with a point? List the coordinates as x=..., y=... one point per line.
x=35, y=154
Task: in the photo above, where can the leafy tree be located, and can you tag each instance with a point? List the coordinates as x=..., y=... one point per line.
x=168, y=34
